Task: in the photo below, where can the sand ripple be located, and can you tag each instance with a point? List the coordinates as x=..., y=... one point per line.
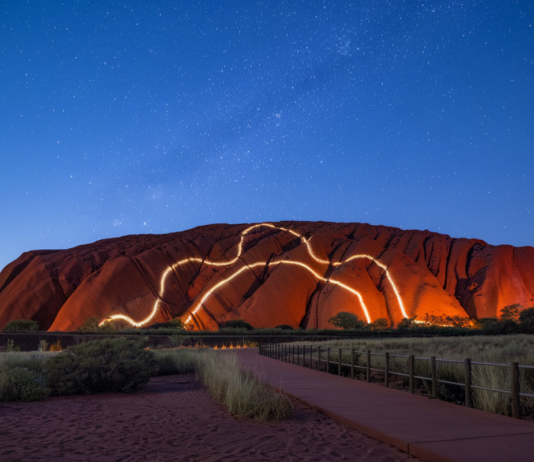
x=173, y=419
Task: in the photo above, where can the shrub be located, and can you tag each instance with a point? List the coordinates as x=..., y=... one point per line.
x=346, y=320
x=237, y=324
x=526, y=320
x=21, y=325
x=22, y=384
x=90, y=325
x=175, y=323
x=407, y=323
x=494, y=326
x=511, y=312
x=22, y=376
x=43, y=345
x=99, y=366
x=284, y=327
x=10, y=346
x=380, y=323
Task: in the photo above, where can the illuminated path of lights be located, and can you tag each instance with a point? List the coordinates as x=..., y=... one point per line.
x=197, y=306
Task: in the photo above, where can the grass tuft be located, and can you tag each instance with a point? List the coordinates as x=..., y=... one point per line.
x=241, y=390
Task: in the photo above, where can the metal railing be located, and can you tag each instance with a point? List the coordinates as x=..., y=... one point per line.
x=304, y=355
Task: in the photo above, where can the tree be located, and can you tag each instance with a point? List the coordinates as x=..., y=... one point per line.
x=345, y=320
x=511, y=312
x=380, y=323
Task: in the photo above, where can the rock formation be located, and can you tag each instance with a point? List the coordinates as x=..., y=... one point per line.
x=295, y=273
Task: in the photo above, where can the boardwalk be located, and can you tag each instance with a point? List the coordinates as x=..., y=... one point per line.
x=429, y=429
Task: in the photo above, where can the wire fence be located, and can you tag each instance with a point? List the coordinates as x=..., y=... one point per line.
x=330, y=361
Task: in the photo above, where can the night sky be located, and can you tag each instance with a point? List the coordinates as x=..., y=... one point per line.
x=152, y=117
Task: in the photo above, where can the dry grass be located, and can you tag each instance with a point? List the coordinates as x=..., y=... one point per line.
x=241, y=390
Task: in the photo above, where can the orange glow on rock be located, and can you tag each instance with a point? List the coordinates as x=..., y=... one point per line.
x=198, y=305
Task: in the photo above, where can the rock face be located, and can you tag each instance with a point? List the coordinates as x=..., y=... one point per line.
x=295, y=273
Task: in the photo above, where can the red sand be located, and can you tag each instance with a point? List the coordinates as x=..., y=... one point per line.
x=173, y=418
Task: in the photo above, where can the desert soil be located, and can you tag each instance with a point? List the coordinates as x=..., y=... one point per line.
x=173, y=419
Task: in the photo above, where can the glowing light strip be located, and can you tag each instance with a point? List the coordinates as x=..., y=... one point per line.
x=253, y=265
x=386, y=272
x=285, y=262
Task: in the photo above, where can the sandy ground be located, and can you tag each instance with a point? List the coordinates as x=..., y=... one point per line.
x=173, y=418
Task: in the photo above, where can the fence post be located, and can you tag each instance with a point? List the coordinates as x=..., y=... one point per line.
x=352, y=363
x=386, y=369
x=368, y=366
x=328, y=360
x=516, y=397
x=339, y=362
x=319, y=359
x=434, y=376
x=411, y=373
x=467, y=382
x=311, y=357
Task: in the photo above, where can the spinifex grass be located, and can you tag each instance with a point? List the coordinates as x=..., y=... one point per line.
x=490, y=349
x=176, y=361
x=241, y=390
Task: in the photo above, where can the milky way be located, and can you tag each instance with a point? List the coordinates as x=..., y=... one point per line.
x=151, y=117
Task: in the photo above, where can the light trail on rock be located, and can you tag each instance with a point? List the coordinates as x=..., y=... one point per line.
x=197, y=306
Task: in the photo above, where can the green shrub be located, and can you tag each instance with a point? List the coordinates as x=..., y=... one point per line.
x=380, y=323
x=21, y=325
x=91, y=326
x=345, y=320
x=99, y=366
x=526, y=320
x=22, y=384
x=511, y=312
x=407, y=323
x=237, y=324
x=22, y=376
x=175, y=323
x=494, y=326
x=284, y=327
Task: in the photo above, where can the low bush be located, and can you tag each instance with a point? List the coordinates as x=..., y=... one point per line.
x=526, y=320
x=99, y=366
x=236, y=324
x=22, y=384
x=22, y=376
x=21, y=325
x=175, y=323
x=91, y=326
x=284, y=327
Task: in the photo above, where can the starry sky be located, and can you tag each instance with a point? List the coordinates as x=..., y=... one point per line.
x=136, y=117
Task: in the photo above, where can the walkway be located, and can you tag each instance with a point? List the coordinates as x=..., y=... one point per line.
x=429, y=429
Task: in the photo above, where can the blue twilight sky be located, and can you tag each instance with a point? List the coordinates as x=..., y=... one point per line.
x=129, y=117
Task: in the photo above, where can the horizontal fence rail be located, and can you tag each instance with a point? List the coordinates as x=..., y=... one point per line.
x=329, y=360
